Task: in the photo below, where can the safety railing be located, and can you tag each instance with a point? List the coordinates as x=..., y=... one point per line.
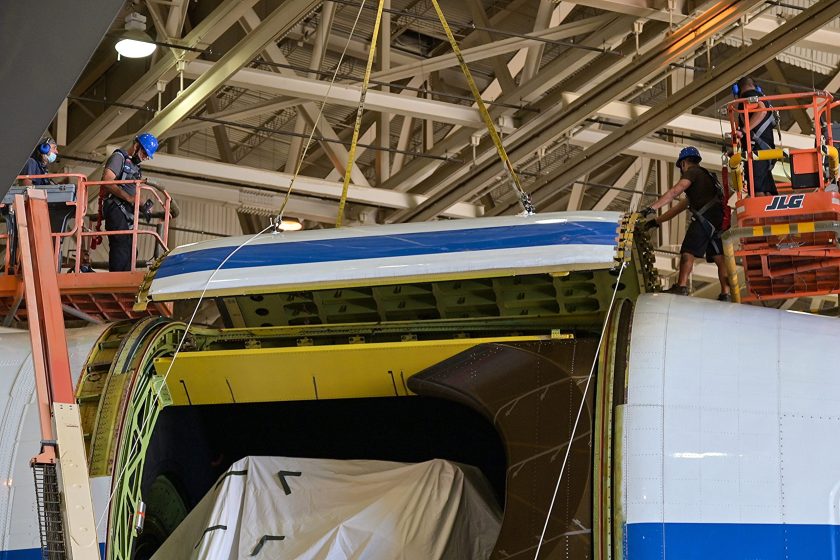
x=160, y=238
x=85, y=227
x=743, y=150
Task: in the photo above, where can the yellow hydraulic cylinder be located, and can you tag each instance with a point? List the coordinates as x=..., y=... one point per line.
x=737, y=173
x=833, y=161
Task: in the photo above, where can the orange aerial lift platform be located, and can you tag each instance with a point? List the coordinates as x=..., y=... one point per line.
x=99, y=296
x=788, y=242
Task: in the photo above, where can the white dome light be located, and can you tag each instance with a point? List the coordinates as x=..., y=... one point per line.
x=131, y=47
x=134, y=42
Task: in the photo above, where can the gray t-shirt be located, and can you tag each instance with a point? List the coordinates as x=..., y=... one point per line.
x=117, y=163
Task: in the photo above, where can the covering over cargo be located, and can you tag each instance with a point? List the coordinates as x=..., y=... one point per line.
x=324, y=509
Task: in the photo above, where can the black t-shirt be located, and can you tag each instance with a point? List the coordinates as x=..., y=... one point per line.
x=701, y=191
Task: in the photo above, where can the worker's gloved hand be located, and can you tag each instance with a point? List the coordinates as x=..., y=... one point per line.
x=146, y=210
x=646, y=211
x=651, y=223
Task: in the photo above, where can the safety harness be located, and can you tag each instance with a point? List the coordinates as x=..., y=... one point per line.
x=128, y=171
x=771, y=121
x=718, y=199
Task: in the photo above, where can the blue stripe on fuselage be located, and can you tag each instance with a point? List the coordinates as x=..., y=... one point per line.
x=400, y=245
x=34, y=553
x=742, y=541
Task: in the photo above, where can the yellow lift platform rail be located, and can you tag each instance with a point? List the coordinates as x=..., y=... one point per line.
x=787, y=243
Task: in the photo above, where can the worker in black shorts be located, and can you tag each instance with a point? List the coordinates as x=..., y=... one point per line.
x=705, y=202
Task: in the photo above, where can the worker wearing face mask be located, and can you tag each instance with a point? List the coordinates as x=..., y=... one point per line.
x=44, y=154
x=118, y=205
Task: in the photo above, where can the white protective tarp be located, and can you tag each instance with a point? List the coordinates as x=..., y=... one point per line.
x=328, y=509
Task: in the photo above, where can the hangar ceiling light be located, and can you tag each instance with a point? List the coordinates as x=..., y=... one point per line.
x=134, y=42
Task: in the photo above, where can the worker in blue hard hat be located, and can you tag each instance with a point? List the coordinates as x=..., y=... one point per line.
x=38, y=163
x=705, y=200
x=118, y=204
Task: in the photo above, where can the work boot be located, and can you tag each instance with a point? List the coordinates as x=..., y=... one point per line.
x=678, y=290
x=725, y=297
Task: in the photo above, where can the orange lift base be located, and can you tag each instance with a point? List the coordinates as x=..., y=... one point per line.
x=790, y=252
x=104, y=296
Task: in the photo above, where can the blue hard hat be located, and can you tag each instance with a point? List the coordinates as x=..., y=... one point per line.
x=149, y=143
x=688, y=151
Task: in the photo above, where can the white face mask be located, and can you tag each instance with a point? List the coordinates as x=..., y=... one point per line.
x=51, y=157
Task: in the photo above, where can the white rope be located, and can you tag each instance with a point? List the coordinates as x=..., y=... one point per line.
x=303, y=152
x=157, y=397
x=580, y=409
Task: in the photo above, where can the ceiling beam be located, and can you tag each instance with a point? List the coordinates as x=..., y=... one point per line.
x=647, y=9
x=500, y=70
x=157, y=21
x=802, y=119
x=524, y=143
x=335, y=152
x=548, y=15
x=243, y=198
x=435, y=176
x=641, y=181
x=492, y=49
x=219, y=133
x=616, y=110
x=280, y=21
x=319, y=49
x=176, y=17
x=145, y=87
x=304, y=186
x=622, y=182
x=694, y=124
x=198, y=123
x=382, y=128
x=726, y=72
x=358, y=49
x=824, y=39
x=345, y=95
x=369, y=133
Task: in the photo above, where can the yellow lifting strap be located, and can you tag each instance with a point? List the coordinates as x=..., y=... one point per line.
x=524, y=198
x=351, y=156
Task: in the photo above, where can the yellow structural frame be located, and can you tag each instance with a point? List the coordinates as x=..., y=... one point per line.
x=307, y=372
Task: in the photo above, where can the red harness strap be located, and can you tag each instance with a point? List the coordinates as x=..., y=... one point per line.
x=95, y=242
